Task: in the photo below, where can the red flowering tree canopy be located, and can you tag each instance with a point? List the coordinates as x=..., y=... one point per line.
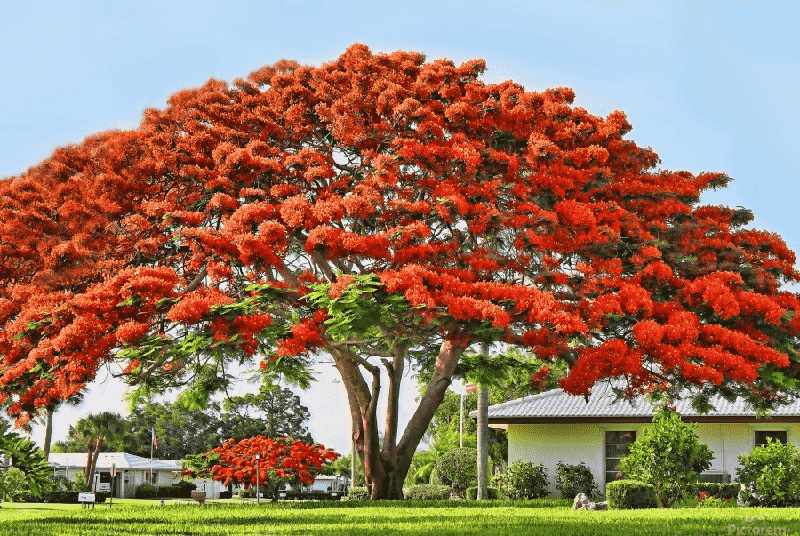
x=249, y=219
x=282, y=460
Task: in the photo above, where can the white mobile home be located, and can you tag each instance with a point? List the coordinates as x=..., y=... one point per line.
x=132, y=471
x=553, y=426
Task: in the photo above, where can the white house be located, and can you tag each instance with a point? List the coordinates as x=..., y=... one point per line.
x=132, y=471
x=553, y=426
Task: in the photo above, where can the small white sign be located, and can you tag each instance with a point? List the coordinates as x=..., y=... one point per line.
x=86, y=497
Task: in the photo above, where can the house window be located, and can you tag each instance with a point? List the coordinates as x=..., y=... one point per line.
x=617, y=447
x=776, y=435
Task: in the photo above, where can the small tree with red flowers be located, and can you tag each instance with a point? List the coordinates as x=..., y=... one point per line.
x=283, y=461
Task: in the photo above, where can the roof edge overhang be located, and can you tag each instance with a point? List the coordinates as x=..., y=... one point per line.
x=604, y=420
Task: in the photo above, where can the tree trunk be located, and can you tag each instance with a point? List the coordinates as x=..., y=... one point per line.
x=483, y=442
x=48, y=433
x=89, y=451
x=385, y=470
x=93, y=464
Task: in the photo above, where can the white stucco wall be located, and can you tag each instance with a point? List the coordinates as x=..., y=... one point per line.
x=730, y=440
x=550, y=443
x=574, y=443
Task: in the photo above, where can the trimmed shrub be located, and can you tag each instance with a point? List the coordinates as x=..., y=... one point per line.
x=772, y=475
x=574, y=479
x=523, y=480
x=669, y=456
x=716, y=502
x=720, y=491
x=181, y=490
x=458, y=468
x=358, y=493
x=493, y=493
x=62, y=497
x=427, y=492
x=225, y=495
x=247, y=493
x=627, y=494
x=146, y=491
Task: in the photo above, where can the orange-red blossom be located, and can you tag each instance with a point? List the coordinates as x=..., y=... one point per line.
x=288, y=459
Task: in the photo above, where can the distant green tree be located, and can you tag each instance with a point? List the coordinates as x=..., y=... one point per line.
x=111, y=426
x=273, y=411
x=180, y=431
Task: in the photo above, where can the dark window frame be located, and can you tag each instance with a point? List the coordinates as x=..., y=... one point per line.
x=762, y=435
x=613, y=443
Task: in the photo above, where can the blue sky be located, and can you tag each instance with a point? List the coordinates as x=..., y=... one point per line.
x=711, y=86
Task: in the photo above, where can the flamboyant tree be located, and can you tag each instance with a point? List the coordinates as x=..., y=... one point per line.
x=283, y=460
x=390, y=213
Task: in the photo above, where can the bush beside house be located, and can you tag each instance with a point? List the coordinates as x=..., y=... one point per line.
x=669, y=456
x=771, y=474
x=457, y=468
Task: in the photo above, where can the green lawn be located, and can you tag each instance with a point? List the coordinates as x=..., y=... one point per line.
x=237, y=518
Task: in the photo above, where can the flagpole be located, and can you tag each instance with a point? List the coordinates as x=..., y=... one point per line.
x=461, y=416
x=152, y=436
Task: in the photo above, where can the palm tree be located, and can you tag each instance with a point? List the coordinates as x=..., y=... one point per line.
x=97, y=429
x=47, y=417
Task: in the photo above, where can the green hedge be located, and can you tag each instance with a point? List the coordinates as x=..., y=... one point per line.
x=449, y=503
x=181, y=490
x=427, y=492
x=358, y=494
x=146, y=491
x=720, y=491
x=62, y=497
x=626, y=494
x=493, y=493
x=315, y=495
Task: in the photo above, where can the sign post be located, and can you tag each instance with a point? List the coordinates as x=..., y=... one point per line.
x=113, y=481
x=86, y=499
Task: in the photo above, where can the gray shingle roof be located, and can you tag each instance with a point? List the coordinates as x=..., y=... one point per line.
x=123, y=460
x=556, y=404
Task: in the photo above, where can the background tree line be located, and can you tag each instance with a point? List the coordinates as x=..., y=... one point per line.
x=273, y=411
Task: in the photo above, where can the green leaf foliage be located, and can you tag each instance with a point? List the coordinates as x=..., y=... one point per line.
x=772, y=474
x=28, y=459
x=459, y=469
x=574, y=479
x=523, y=480
x=668, y=456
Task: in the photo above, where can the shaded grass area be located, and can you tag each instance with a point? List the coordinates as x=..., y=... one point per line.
x=393, y=518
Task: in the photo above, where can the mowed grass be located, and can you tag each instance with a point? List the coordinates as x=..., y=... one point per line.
x=236, y=518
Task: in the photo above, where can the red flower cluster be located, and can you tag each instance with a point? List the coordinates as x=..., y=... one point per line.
x=284, y=458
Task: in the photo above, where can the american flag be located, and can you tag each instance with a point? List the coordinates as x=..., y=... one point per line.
x=155, y=438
